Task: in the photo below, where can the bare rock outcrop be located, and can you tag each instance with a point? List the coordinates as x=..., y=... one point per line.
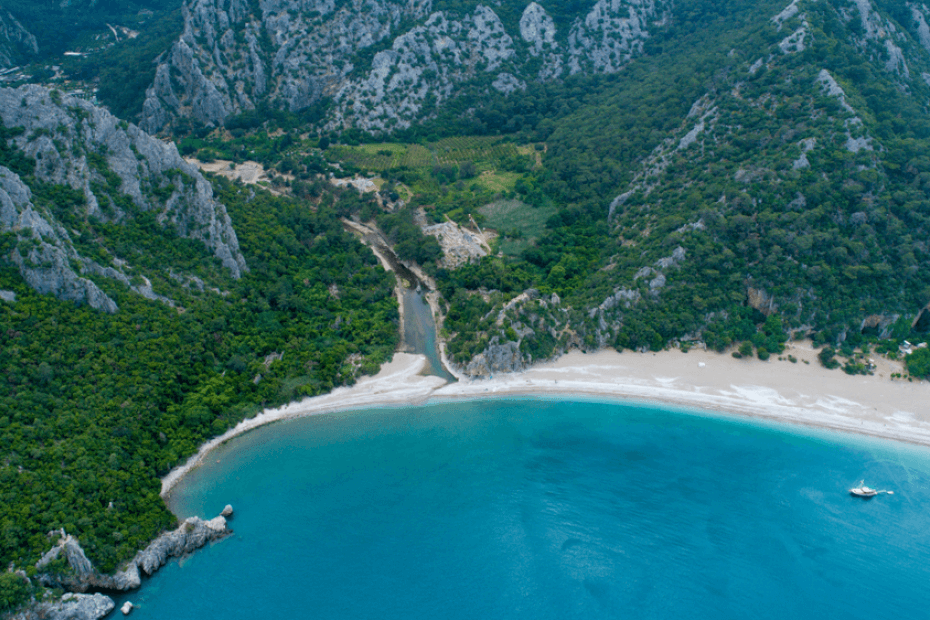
x=497, y=358
x=192, y=534
x=69, y=607
x=386, y=64
x=459, y=246
x=87, y=149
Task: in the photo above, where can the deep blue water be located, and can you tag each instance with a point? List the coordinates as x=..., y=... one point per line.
x=544, y=509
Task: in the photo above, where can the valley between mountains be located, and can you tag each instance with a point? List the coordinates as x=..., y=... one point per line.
x=190, y=192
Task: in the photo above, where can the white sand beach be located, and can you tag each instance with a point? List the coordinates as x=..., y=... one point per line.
x=796, y=393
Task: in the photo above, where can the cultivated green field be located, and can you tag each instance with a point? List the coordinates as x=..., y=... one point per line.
x=486, y=152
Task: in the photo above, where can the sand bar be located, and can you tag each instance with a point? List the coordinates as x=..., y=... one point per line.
x=796, y=393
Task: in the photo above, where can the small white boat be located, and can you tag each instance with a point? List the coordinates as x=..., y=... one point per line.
x=866, y=492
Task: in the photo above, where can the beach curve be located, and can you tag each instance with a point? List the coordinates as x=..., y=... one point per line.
x=795, y=393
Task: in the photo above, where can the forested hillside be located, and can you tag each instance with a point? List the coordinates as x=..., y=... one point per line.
x=83, y=24
x=751, y=160
x=97, y=404
x=762, y=162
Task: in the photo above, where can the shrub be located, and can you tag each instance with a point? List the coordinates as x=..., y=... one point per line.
x=827, y=357
x=918, y=363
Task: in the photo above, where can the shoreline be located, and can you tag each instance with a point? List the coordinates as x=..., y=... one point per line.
x=701, y=381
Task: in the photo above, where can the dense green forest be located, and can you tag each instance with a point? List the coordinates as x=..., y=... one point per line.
x=62, y=26
x=845, y=251
x=123, y=72
x=94, y=408
x=825, y=243
x=832, y=243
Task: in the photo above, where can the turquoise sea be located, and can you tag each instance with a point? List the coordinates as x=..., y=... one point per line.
x=551, y=509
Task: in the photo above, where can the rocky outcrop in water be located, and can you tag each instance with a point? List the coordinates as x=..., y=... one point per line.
x=386, y=64
x=192, y=534
x=85, y=148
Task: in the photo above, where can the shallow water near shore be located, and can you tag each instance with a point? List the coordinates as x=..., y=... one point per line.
x=531, y=508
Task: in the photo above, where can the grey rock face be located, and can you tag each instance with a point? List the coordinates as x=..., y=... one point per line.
x=497, y=358
x=427, y=61
x=190, y=536
x=538, y=30
x=17, y=45
x=611, y=34
x=70, y=607
x=221, y=67
x=65, y=137
x=44, y=252
x=233, y=55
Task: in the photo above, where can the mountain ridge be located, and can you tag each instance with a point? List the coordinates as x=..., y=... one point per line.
x=299, y=52
x=115, y=168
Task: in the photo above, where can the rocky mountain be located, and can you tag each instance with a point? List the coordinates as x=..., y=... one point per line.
x=17, y=45
x=114, y=172
x=384, y=63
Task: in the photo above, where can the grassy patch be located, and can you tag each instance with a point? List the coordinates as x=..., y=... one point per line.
x=497, y=181
x=486, y=152
x=518, y=223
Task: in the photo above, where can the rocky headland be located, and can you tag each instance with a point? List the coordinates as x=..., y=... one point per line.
x=78, y=575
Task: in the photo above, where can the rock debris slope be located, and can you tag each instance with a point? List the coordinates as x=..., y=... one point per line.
x=114, y=167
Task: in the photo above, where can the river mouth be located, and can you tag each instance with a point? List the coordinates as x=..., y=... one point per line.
x=418, y=325
x=419, y=333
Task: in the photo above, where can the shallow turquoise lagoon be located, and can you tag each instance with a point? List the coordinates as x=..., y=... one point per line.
x=549, y=509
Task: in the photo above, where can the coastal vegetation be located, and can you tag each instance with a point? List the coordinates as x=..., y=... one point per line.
x=95, y=408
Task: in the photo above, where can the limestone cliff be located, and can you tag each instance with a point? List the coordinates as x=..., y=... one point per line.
x=79, y=574
x=69, y=607
x=85, y=148
x=385, y=63
x=17, y=45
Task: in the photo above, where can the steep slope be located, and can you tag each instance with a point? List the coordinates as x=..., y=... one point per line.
x=789, y=198
x=385, y=63
x=116, y=174
x=17, y=45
